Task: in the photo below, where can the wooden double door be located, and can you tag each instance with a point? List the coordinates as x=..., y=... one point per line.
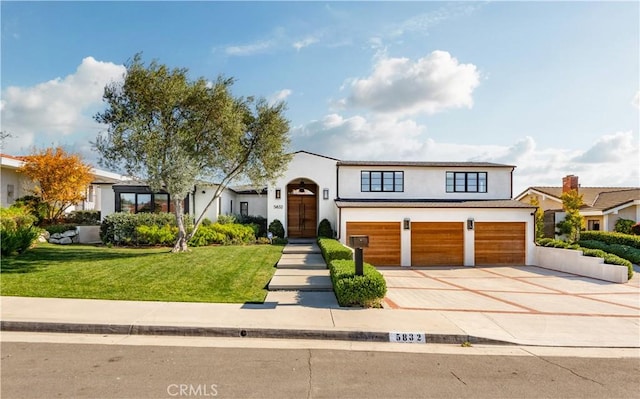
x=302, y=211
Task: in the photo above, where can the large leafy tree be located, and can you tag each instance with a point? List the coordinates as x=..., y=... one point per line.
x=61, y=179
x=169, y=131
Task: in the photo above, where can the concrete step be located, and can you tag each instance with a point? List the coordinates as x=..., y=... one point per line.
x=311, y=299
x=295, y=241
x=304, y=261
x=301, y=249
x=306, y=282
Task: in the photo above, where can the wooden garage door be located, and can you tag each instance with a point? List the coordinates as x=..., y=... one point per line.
x=500, y=243
x=437, y=244
x=384, y=241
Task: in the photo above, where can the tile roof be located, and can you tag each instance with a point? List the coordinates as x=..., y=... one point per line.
x=597, y=197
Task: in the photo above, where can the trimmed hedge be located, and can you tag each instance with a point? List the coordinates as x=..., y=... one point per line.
x=333, y=250
x=609, y=237
x=624, y=251
x=351, y=290
x=324, y=229
x=609, y=258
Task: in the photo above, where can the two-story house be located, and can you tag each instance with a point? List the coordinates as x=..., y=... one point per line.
x=415, y=213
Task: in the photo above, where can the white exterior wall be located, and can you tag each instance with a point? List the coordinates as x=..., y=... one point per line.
x=257, y=204
x=11, y=178
x=312, y=169
x=440, y=215
x=425, y=182
x=107, y=200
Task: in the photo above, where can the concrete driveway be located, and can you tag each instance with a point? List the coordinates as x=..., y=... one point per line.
x=509, y=290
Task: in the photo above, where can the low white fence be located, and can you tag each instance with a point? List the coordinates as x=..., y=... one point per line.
x=572, y=261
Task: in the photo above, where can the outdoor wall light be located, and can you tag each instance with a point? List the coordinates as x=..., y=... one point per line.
x=325, y=193
x=470, y=224
x=406, y=223
x=278, y=193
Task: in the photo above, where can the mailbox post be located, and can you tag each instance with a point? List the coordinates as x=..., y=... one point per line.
x=357, y=243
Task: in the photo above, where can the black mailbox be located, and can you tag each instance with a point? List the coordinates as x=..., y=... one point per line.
x=359, y=241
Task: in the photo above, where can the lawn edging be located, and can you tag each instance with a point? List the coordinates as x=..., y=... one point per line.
x=572, y=261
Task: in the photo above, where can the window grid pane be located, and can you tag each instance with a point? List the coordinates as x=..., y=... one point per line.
x=365, y=181
x=399, y=181
x=466, y=182
x=376, y=181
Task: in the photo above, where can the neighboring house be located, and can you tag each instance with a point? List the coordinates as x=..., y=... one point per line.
x=603, y=206
x=14, y=185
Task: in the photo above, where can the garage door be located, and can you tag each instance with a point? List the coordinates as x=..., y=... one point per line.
x=437, y=244
x=500, y=243
x=384, y=241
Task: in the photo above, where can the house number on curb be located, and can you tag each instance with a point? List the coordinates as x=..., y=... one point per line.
x=407, y=337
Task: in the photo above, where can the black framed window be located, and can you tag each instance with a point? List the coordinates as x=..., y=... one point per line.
x=135, y=199
x=466, y=182
x=387, y=181
x=244, y=209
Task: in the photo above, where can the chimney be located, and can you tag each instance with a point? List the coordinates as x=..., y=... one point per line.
x=569, y=182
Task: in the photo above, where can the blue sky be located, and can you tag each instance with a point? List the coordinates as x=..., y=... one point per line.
x=552, y=87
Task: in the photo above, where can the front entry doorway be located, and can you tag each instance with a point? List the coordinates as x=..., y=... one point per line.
x=302, y=209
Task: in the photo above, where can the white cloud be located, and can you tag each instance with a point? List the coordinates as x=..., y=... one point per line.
x=250, y=49
x=279, y=96
x=60, y=106
x=389, y=138
x=401, y=87
x=300, y=44
x=423, y=23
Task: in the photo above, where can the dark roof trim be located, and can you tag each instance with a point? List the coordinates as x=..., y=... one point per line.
x=429, y=203
x=426, y=163
x=316, y=155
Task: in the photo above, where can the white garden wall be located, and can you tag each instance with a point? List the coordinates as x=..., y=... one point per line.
x=572, y=261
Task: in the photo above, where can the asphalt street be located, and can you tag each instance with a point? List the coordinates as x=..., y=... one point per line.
x=63, y=370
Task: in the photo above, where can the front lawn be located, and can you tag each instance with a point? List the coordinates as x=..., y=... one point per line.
x=232, y=274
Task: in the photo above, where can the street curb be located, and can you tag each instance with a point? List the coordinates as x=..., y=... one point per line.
x=232, y=332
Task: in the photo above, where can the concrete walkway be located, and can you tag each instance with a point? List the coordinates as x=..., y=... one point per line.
x=302, y=277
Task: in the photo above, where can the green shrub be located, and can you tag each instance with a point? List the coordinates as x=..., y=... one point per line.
x=155, y=235
x=36, y=207
x=324, y=229
x=226, y=219
x=59, y=228
x=17, y=232
x=623, y=226
x=609, y=237
x=83, y=218
x=332, y=250
x=258, y=223
x=351, y=290
x=276, y=228
x=223, y=234
x=120, y=228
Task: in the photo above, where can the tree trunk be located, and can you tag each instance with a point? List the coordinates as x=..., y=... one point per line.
x=181, y=243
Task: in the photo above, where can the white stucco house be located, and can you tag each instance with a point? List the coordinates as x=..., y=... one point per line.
x=415, y=213
x=14, y=185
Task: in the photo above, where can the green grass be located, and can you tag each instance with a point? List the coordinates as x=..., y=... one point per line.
x=228, y=274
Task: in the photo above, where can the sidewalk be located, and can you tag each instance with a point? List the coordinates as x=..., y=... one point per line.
x=307, y=317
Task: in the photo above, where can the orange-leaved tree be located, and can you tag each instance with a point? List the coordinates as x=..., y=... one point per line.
x=61, y=179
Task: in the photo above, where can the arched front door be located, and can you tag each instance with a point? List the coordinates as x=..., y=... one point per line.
x=302, y=209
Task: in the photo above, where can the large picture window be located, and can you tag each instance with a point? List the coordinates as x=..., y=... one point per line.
x=466, y=182
x=144, y=202
x=387, y=181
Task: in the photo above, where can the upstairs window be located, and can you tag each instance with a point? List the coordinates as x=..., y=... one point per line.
x=466, y=182
x=378, y=181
